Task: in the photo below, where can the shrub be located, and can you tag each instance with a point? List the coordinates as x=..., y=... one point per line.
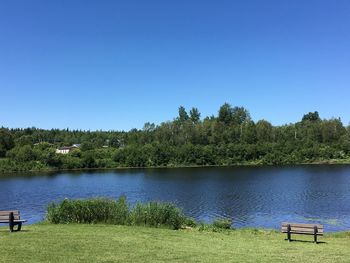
x=223, y=223
x=204, y=227
x=190, y=222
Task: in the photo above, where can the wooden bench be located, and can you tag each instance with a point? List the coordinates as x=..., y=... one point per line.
x=13, y=218
x=302, y=229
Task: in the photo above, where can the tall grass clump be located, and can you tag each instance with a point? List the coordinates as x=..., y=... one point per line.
x=157, y=214
x=97, y=210
x=218, y=225
x=100, y=210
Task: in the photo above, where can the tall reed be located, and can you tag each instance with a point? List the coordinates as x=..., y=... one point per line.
x=97, y=210
x=101, y=210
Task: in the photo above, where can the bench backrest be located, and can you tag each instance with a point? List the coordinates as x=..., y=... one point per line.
x=302, y=228
x=4, y=215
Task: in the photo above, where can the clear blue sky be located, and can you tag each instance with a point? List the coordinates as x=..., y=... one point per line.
x=118, y=64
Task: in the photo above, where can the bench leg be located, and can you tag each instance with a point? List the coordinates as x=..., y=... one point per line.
x=315, y=234
x=289, y=234
x=289, y=237
x=12, y=225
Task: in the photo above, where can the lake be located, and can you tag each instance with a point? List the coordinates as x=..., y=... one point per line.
x=250, y=196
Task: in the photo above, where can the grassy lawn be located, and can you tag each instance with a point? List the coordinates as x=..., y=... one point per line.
x=106, y=243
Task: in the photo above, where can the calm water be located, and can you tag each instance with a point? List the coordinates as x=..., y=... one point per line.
x=251, y=196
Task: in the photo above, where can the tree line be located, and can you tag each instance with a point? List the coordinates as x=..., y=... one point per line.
x=230, y=138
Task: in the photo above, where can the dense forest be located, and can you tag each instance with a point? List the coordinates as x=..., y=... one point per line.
x=230, y=138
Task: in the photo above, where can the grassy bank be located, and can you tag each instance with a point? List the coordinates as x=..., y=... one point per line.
x=109, y=243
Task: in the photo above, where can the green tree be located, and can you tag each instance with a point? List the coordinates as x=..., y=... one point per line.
x=311, y=116
x=24, y=140
x=264, y=131
x=22, y=153
x=225, y=113
x=183, y=116
x=332, y=130
x=240, y=115
x=195, y=115
x=89, y=159
x=87, y=146
x=6, y=142
x=149, y=127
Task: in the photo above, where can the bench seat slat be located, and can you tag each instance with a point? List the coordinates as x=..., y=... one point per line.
x=303, y=233
x=285, y=224
x=4, y=215
x=296, y=229
x=16, y=221
x=303, y=227
x=5, y=212
x=7, y=217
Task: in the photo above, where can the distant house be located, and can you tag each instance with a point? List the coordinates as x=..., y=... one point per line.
x=67, y=149
x=64, y=150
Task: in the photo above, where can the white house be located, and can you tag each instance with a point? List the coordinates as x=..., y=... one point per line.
x=67, y=149
x=64, y=150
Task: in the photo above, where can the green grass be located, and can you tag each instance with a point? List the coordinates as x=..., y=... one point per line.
x=116, y=212
x=109, y=243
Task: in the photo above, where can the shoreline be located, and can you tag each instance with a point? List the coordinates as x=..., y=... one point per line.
x=235, y=228
x=196, y=228
x=253, y=164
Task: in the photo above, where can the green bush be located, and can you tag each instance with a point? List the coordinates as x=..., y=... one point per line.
x=204, y=227
x=190, y=222
x=223, y=223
